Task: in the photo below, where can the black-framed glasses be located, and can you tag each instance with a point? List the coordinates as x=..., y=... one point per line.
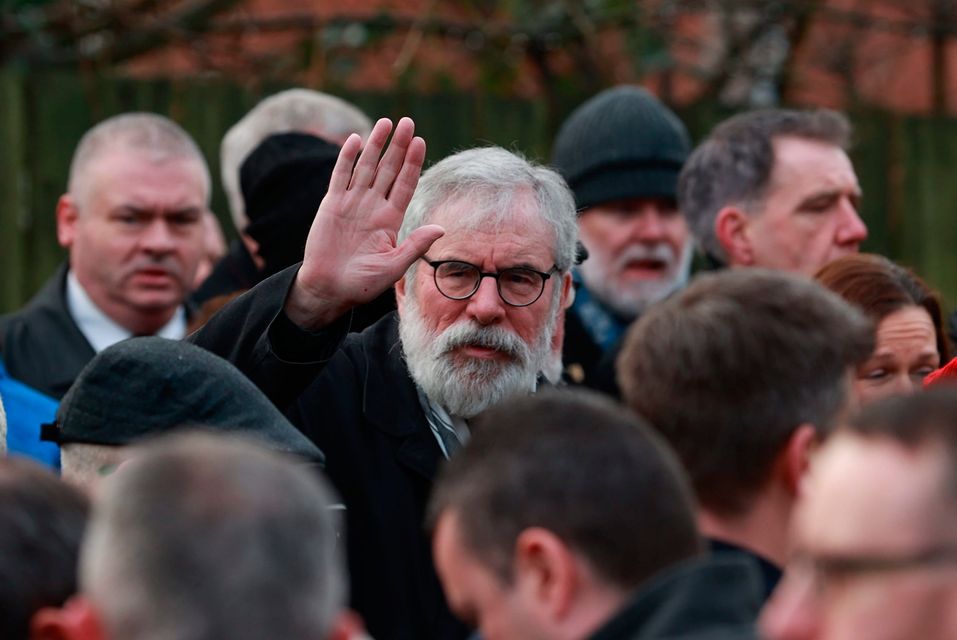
x=517, y=286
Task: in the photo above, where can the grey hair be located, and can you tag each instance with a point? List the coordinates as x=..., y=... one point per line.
x=82, y=464
x=202, y=537
x=301, y=110
x=733, y=165
x=150, y=133
x=489, y=178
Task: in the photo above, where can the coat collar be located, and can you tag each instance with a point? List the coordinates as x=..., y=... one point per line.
x=390, y=401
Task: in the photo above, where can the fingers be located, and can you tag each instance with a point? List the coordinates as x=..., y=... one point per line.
x=342, y=172
x=408, y=178
x=415, y=246
x=365, y=169
x=394, y=156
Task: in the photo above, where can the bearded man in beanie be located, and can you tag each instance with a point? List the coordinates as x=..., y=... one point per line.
x=621, y=153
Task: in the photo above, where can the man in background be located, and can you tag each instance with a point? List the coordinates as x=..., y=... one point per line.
x=774, y=188
x=744, y=372
x=131, y=220
x=621, y=152
x=300, y=111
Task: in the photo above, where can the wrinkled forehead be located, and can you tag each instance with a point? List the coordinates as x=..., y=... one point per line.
x=493, y=211
x=110, y=160
x=871, y=494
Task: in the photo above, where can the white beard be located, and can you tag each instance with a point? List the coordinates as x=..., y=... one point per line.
x=600, y=275
x=467, y=386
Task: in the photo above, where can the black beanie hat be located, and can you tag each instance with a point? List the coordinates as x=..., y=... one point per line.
x=283, y=180
x=622, y=143
x=146, y=386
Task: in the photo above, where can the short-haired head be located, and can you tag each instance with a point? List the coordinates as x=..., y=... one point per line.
x=152, y=135
x=582, y=468
x=42, y=520
x=293, y=110
x=916, y=421
x=734, y=163
x=730, y=367
x=205, y=537
x=488, y=179
x=880, y=287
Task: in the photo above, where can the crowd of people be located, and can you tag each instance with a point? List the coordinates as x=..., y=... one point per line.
x=644, y=390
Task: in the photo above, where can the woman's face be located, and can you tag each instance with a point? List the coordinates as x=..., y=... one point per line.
x=906, y=351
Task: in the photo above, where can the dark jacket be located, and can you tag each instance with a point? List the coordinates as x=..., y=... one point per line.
x=41, y=344
x=770, y=573
x=712, y=598
x=354, y=398
x=235, y=271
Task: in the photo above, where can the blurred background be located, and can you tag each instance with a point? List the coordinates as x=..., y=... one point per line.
x=483, y=71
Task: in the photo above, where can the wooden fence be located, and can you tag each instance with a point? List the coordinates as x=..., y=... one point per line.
x=907, y=166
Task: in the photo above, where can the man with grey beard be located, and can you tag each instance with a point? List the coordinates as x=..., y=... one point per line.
x=621, y=153
x=480, y=258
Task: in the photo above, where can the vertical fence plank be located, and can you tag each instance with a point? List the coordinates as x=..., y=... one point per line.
x=13, y=184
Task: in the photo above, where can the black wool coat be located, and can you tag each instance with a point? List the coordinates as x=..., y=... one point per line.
x=352, y=396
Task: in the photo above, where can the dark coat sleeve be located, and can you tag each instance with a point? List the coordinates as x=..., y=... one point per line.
x=254, y=334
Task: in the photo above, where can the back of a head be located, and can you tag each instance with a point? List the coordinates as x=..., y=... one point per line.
x=727, y=369
x=283, y=180
x=488, y=179
x=879, y=287
x=584, y=469
x=622, y=143
x=733, y=165
x=925, y=419
x=203, y=538
x=293, y=110
x=42, y=520
x=158, y=137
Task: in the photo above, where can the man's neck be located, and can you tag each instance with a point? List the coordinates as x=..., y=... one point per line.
x=762, y=530
x=101, y=330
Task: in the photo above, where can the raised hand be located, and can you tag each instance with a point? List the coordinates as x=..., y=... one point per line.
x=351, y=253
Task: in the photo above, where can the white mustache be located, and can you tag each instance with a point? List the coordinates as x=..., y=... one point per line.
x=660, y=252
x=469, y=334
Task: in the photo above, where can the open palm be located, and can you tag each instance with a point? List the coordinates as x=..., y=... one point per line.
x=351, y=253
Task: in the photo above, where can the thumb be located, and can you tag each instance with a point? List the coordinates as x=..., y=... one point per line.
x=415, y=246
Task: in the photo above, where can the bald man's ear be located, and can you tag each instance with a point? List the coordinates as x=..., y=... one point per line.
x=75, y=620
x=731, y=229
x=66, y=217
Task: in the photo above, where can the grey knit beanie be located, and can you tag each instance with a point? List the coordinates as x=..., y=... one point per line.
x=622, y=143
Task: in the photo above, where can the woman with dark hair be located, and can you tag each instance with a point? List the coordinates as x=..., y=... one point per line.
x=910, y=342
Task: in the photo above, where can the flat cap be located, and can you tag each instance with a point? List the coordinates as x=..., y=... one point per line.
x=146, y=386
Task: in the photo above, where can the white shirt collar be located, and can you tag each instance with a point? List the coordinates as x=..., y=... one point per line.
x=99, y=329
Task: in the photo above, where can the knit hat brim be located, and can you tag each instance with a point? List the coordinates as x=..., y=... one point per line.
x=625, y=182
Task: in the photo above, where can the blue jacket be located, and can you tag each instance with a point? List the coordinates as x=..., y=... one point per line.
x=26, y=410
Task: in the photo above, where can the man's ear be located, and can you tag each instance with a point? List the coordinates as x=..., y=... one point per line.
x=546, y=574
x=400, y=293
x=348, y=626
x=731, y=229
x=75, y=620
x=66, y=218
x=794, y=460
x=568, y=292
